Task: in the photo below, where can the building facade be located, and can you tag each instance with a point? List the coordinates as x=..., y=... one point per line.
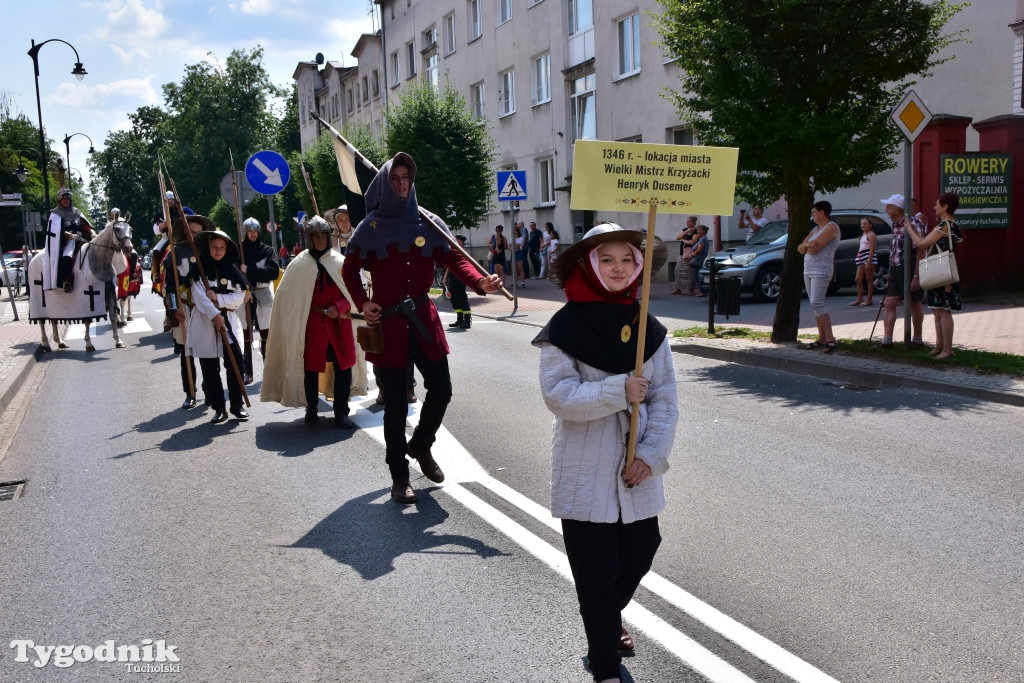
x=547, y=72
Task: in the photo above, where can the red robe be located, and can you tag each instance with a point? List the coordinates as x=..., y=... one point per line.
x=321, y=330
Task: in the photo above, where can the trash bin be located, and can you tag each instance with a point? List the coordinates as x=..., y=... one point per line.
x=727, y=296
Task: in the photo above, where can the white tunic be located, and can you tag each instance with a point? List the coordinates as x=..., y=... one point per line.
x=203, y=339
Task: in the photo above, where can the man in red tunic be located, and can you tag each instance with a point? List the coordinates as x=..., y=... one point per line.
x=399, y=248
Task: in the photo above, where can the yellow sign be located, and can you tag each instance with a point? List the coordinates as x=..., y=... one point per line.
x=629, y=176
x=911, y=116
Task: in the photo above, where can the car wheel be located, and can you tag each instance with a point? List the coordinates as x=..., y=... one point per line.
x=881, y=278
x=767, y=284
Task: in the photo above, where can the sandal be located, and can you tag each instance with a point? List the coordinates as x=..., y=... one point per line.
x=811, y=347
x=831, y=346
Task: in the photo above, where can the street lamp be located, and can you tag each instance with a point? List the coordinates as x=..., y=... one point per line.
x=78, y=72
x=67, y=152
x=21, y=171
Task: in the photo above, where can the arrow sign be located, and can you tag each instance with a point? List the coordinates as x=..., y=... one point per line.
x=267, y=172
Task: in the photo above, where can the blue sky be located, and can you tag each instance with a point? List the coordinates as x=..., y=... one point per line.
x=130, y=48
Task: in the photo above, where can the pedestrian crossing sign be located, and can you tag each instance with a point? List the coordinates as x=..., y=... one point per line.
x=511, y=185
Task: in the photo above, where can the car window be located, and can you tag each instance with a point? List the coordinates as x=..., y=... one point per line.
x=770, y=232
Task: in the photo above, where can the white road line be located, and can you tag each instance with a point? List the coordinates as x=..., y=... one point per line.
x=137, y=326
x=461, y=467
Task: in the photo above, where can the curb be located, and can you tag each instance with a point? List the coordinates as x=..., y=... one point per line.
x=873, y=379
x=12, y=383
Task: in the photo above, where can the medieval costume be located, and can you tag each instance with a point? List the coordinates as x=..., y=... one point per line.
x=311, y=349
x=66, y=230
x=259, y=264
x=588, y=355
x=399, y=248
x=178, y=301
x=220, y=297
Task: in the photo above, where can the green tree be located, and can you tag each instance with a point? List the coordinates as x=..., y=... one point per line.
x=452, y=148
x=214, y=109
x=804, y=89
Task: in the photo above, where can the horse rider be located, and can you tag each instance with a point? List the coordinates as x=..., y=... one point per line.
x=260, y=268
x=67, y=229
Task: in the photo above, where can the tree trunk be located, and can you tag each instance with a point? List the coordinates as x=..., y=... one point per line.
x=787, y=308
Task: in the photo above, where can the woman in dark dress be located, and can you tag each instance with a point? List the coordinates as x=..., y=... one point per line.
x=943, y=300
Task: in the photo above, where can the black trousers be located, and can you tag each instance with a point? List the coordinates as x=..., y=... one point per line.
x=212, y=385
x=535, y=262
x=460, y=299
x=438, y=382
x=187, y=364
x=608, y=561
x=342, y=386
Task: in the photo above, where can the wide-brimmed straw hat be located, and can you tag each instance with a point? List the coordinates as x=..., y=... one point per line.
x=203, y=243
x=572, y=257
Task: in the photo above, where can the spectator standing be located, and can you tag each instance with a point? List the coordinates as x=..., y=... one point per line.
x=819, y=250
x=534, y=239
x=697, y=256
x=498, y=245
x=943, y=300
x=754, y=220
x=553, y=245
x=519, y=240
x=894, y=293
x=684, y=275
x=866, y=261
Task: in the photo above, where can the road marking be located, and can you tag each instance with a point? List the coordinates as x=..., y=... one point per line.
x=460, y=467
x=137, y=326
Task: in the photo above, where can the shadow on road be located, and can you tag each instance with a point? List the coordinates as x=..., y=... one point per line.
x=370, y=532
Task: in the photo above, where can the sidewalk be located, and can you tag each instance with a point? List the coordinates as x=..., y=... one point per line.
x=988, y=327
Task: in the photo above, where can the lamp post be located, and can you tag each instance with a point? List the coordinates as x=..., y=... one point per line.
x=67, y=153
x=79, y=72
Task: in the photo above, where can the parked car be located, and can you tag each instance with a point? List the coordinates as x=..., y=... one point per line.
x=13, y=267
x=758, y=263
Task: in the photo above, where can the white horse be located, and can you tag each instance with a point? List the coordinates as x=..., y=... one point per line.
x=94, y=295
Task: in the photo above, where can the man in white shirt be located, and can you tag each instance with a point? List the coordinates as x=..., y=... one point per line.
x=754, y=220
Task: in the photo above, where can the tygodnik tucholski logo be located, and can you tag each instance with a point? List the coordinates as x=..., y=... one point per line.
x=150, y=656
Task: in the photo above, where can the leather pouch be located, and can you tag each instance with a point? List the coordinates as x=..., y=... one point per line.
x=370, y=338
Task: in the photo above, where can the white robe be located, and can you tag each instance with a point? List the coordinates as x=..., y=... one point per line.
x=203, y=339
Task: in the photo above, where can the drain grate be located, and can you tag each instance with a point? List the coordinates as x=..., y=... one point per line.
x=10, y=490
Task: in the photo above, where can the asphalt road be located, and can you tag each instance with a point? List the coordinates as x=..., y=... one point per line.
x=813, y=533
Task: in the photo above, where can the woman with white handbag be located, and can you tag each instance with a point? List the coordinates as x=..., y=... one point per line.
x=944, y=298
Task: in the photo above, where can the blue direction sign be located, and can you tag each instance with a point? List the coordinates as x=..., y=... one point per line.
x=511, y=185
x=267, y=172
x=301, y=217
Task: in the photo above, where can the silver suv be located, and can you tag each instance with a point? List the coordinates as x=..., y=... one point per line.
x=758, y=263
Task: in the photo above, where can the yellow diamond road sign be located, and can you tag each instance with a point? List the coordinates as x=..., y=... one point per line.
x=911, y=116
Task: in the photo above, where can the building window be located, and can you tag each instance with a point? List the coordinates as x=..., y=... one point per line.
x=449, y=34
x=366, y=89
x=430, y=70
x=542, y=79
x=507, y=98
x=474, y=19
x=682, y=136
x=504, y=11
x=430, y=37
x=581, y=15
x=394, y=69
x=546, y=180
x=410, y=59
x=349, y=100
x=375, y=83
x=629, y=45
x=476, y=99
x=581, y=100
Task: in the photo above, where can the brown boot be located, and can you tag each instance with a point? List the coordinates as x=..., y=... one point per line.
x=402, y=492
x=430, y=468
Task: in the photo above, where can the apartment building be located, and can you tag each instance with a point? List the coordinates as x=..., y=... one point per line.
x=547, y=72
